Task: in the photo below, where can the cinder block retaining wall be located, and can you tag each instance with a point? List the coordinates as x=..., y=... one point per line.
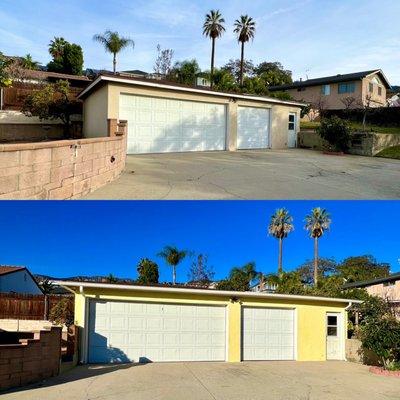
x=32, y=360
x=363, y=144
x=65, y=169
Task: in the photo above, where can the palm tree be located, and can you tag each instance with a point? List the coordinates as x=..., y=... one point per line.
x=56, y=47
x=245, y=28
x=280, y=226
x=173, y=257
x=27, y=62
x=316, y=224
x=213, y=28
x=113, y=43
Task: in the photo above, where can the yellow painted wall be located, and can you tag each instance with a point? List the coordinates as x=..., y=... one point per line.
x=310, y=316
x=103, y=104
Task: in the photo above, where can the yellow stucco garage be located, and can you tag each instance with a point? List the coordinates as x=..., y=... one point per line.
x=165, y=323
x=165, y=117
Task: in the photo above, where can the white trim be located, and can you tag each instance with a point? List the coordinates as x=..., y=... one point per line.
x=186, y=89
x=209, y=292
x=296, y=333
x=341, y=330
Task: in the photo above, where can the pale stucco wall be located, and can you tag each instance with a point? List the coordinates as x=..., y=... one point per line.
x=386, y=292
x=18, y=282
x=99, y=107
x=310, y=317
x=95, y=114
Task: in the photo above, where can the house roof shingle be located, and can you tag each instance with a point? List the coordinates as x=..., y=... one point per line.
x=371, y=282
x=332, y=79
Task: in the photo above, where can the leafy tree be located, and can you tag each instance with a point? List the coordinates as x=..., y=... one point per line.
x=245, y=28
x=223, y=80
x=111, y=278
x=326, y=267
x=53, y=102
x=148, y=272
x=239, y=278
x=336, y=131
x=173, y=257
x=5, y=78
x=281, y=224
x=255, y=85
x=380, y=330
x=62, y=312
x=67, y=57
x=114, y=44
x=316, y=224
x=234, y=67
x=185, y=72
x=273, y=73
x=27, y=62
x=287, y=283
x=362, y=268
x=163, y=61
x=213, y=28
x=200, y=271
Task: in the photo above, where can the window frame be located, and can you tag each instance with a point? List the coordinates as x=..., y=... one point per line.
x=328, y=325
x=325, y=92
x=346, y=87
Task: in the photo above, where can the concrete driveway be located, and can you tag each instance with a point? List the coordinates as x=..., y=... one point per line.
x=216, y=381
x=271, y=174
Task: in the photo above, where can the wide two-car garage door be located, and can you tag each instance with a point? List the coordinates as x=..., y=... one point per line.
x=160, y=125
x=139, y=332
x=253, y=128
x=268, y=334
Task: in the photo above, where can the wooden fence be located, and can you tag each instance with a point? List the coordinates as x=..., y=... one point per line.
x=27, y=306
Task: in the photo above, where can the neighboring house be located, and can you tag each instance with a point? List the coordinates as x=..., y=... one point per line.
x=339, y=92
x=394, y=100
x=17, y=280
x=387, y=288
x=168, y=117
x=122, y=323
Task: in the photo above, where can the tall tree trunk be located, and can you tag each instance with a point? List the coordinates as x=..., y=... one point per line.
x=315, y=261
x=115, y=63
x=173, y=274
x=280, y=269
x=212, y=62
x=241, y=64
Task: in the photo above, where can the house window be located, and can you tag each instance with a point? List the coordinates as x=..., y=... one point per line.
x=291, y=122
x=371, y=87
x=389, y=283
x=332, y=325
x=349, y=87
x=326, y=90
x=379, y=91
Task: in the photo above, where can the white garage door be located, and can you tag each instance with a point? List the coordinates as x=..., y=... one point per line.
x=268, y=334
x=140, y=332
x=253, y=128
x=159, y=125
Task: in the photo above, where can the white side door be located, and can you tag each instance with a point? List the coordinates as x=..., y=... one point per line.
x=268, y=334
x=138, y=332
x=253, y=128
x=292, y=130
x=334, y=336
x=161, y=125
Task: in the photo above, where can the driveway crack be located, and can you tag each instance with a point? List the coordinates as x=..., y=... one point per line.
x=201, y=383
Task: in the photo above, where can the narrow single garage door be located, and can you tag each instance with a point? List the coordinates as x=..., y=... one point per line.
x=268, y=334
x=140, y=332
x=159, y=125
x=253, y=128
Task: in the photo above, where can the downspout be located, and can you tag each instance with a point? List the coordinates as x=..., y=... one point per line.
x=347, y=308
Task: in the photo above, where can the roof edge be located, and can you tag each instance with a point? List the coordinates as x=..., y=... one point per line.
x=213, y=292
x=108, y=78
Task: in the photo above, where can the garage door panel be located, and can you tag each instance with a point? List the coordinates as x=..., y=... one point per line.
x=268, y=334
x=253, y=128
x=166, y=125
x=157, y=332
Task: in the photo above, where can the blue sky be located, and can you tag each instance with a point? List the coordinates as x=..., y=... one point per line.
x=90, y=238
x=310, y=37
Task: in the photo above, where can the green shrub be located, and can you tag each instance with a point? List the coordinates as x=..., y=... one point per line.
x=148, y=272
x=337, y=132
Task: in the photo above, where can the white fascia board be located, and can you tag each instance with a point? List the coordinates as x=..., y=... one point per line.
x=209, y=292
x=187, y=89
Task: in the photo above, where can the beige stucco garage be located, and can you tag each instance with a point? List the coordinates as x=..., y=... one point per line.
x=164, y=117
